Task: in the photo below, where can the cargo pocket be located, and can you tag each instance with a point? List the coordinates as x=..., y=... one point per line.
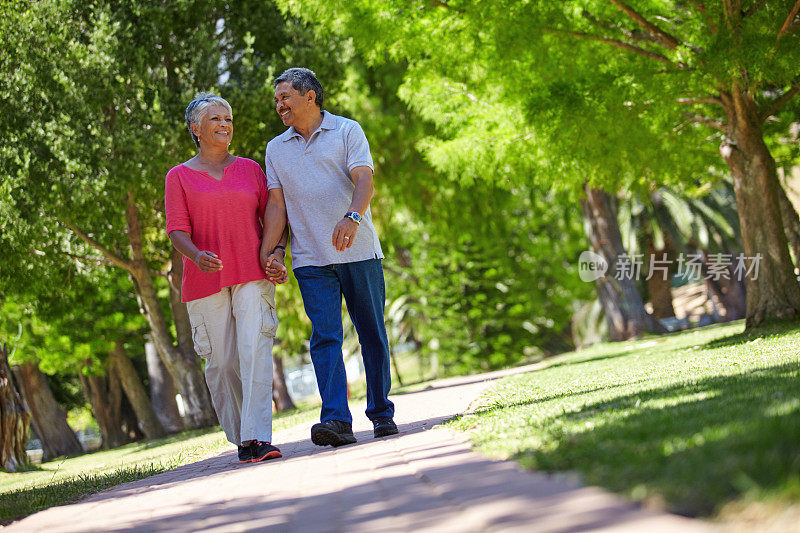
x=269, y=317
x=202, y=343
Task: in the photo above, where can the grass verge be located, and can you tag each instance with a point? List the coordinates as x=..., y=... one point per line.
x=65, y=481
x=701, y=423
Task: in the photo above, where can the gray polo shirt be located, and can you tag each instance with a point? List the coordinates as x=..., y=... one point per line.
x=316, y=183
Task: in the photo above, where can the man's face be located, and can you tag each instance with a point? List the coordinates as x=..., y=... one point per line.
x=290, y=104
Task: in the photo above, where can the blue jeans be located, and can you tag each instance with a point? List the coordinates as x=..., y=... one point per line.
x=364, y=292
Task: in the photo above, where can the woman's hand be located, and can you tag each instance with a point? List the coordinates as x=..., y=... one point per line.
x=208, y=262
x=275, y=269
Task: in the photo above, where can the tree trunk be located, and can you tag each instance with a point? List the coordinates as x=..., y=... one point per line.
x=280, y=393
x=183, y=367
x=134, y=390
x=105, y=396
x=729, y=290
x=625, y=313
x=791, y=222
x=162, y=391
x=49, y=421
x=14, y=419
x=180, y=315
x=393, y=357
x=130, y=424
x=775, y=293
x=660, y=296
x=658, y=285
x=734, y=298
x=616, y=322
x=735, y=294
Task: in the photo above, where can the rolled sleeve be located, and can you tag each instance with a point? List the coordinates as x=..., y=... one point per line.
x=176, y=208
x=358, y=154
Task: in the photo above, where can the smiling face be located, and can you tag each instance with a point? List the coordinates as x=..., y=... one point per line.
x=293, y=107
x=215, y=128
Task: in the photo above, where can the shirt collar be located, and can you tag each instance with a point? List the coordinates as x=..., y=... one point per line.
x=328, y=123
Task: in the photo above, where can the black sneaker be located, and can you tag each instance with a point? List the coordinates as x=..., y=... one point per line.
x=245, y=453
x=263, y=451
x=332, y=433
x=383, y=427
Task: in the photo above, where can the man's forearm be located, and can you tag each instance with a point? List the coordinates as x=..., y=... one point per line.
x=275, y=230
x=364, y=190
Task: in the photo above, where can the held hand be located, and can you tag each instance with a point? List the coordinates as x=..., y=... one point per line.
x=344, y=234
x=264, y=256
x=208, y=262
x=275, y=269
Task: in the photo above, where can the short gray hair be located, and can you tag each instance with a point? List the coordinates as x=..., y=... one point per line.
x=198, y=106
x=303, y=80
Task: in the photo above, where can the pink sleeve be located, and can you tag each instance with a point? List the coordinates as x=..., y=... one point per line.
x=263, y=193
x=177, y=209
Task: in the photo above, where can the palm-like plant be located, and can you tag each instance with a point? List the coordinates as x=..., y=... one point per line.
x=666, y=223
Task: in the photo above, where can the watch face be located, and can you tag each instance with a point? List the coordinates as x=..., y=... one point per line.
x=355, y=216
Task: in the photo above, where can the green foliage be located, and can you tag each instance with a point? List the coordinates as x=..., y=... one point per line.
x=517, y=96
x=479, y=278
x=483, y=269
x=708, y=221
x=485, y=121
x=102, y=90
x=659, y=419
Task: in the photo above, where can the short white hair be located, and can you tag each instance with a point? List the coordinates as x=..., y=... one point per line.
x=197, y=108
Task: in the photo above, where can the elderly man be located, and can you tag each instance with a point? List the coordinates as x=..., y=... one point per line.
x=319, y=175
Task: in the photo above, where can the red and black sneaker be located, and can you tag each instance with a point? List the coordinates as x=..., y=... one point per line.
x=246, y=453
x=263, y=451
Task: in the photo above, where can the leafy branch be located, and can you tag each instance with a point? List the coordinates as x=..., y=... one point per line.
x=615, y=42
x=115, y=259
x=779, y=102
x=708, y=121
x=701, y=8
x=788, y=25
x=706, y=100
x=661, y=36
x=446, y=5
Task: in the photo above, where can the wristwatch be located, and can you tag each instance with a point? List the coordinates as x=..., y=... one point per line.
x=354, y=216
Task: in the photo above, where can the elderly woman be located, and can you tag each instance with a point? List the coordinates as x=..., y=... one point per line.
x=215, y=215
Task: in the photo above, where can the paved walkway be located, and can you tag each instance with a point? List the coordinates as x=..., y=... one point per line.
x=424, y=479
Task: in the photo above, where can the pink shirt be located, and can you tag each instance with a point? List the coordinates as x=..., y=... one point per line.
x=222, y=216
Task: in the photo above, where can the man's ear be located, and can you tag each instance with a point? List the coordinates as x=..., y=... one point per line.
x=311, y=96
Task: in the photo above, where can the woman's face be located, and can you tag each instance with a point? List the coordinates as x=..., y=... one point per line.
x=215, y=128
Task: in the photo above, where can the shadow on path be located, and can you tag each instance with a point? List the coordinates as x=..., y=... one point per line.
x=436, y=498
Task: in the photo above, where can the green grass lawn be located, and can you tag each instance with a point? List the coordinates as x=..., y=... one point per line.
x=67, y=480
x=699, y=423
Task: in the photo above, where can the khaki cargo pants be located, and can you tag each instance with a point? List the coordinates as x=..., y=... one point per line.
x=234, y=331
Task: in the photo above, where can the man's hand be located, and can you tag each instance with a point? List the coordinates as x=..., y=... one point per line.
x=274, y=267
x=208, y=262
x=344, y=234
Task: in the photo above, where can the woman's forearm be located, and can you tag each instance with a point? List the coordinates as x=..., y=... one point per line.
x=182, y=241
x=205, y=260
